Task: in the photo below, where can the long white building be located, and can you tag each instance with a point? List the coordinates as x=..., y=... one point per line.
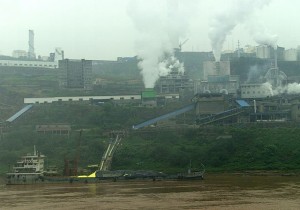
x=29, y=63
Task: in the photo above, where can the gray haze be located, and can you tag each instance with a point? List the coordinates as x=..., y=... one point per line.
x=102, y=29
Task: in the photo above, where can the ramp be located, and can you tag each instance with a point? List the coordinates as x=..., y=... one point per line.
x=19, y=113
x=106, y=160
x=164, y=117
x=220, y=116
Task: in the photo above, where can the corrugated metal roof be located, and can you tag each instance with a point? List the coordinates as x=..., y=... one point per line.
x=19, y=113
x=242, y=103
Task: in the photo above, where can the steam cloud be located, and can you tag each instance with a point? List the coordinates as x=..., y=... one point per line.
x=293, y=88
x=265, y=38
x=256, y=74
x=160, y=25
x=225, y=21
x=290, y=89
x=261, y=35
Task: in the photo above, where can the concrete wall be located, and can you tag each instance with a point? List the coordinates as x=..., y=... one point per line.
x=215, y=68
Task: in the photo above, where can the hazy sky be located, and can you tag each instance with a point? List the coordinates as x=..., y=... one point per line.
x=104, y=29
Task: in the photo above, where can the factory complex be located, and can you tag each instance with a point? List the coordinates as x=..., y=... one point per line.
x=254, y=84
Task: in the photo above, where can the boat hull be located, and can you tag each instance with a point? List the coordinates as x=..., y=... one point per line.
x=32, y=180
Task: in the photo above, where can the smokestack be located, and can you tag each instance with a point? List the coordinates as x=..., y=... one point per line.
x=275, y=58
x=31, y=54
x=276, y=67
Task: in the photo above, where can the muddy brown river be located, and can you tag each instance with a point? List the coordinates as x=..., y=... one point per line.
x=215, y=192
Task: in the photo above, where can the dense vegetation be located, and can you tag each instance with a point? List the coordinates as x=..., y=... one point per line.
x=168, y=150
x=219, y=149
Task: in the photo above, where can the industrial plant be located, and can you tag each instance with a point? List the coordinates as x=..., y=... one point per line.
x=28, y=59
x=254, y=84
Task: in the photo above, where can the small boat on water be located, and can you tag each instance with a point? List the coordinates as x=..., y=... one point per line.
x=191, y=175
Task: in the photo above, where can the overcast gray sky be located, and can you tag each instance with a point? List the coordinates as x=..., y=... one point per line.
x=103, y=29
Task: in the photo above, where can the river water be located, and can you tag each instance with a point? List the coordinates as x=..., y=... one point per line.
x=214, y=192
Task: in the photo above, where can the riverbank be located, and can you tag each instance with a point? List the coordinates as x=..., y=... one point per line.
x=168, y=151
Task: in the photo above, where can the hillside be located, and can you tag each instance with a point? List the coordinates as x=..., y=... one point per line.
x=250, y=147
x=167, y=148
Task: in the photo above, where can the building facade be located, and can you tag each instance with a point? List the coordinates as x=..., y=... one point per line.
x=29, y=63
x=75, y=74
x=227, y=84
x=263, y=51
x=256, y=90
x=215, y=68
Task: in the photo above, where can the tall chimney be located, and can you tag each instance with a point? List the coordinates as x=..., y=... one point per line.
x=276, y=71
x=31, y=54
x=275, y=58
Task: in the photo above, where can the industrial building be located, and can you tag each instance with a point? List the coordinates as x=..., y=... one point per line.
x=28, y=63
x=215, y=68
x=227, y=84
x=19, y=54
x=263, y=51
x=268, y=52
x=224, y=109
x=22, y=59
x=256, y=90
x=75, y=74
x=217, y=79
x=173, y=83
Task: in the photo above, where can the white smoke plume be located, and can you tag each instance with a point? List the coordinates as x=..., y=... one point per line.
x=166, y=66
x=266, y=38
x=292, y=88
x=267, y=87
x=255, y=74
x=160, y=24
x=225, y=21
x=261, y=34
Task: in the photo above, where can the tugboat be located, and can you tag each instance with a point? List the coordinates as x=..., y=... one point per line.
x=192, y=174
x=28, y=170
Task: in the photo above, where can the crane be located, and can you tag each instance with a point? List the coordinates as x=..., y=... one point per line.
x=181, y=44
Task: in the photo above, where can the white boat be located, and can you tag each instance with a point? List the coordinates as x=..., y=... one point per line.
x=28, y=170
